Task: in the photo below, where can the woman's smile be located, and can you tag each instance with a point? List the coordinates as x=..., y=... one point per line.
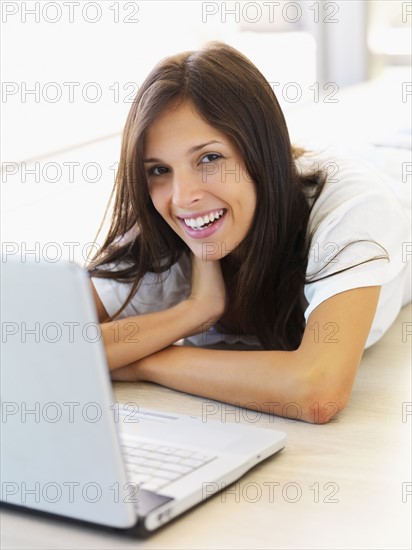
x=203, y=226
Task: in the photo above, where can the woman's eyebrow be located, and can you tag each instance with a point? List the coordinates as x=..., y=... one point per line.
x=190, y=151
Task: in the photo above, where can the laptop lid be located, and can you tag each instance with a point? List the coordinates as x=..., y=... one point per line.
x=56, y=399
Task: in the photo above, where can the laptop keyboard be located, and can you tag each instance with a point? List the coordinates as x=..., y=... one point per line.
x=154, y=466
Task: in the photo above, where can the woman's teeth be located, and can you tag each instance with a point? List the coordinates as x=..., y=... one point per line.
x=202, y=221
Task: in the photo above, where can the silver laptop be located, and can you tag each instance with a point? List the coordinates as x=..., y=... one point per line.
x=68, y=448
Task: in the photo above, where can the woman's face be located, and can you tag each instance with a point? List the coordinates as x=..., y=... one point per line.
x=198, y=182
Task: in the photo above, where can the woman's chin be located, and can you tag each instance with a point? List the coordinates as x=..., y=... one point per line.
x=208, y=252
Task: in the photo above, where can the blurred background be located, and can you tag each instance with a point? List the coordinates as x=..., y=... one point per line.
x=341, y=70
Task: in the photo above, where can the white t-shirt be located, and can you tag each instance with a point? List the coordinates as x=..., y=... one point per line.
x=364, y=198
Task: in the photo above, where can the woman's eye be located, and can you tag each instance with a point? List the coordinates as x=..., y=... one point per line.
x=157, y=171
x=210, y=157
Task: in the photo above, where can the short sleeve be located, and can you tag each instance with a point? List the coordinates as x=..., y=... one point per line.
x=155, y=293
x=356, y=219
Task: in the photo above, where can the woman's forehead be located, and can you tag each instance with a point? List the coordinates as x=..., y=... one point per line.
x=181, y=123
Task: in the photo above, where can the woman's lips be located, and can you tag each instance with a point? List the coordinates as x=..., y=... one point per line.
x=207, y=231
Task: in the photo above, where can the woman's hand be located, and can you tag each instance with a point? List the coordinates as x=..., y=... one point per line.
x=208, y=288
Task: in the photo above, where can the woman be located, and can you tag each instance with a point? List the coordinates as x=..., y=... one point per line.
x=218, y=231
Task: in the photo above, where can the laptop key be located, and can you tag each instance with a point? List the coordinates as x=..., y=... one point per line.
x=155, y=464
x=176, y=468
x=149, y=446
x=202, y=457
x=183, y=453
x=166, y=450
x=140, y=452
x=143, y=469
x=191, y=462
x=169, y=458
x=128, y=458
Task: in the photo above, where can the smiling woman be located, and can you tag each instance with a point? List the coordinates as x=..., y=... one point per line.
x=208, y=177
x=219, y=226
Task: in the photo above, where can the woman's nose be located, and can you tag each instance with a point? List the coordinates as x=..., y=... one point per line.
x=186, y=189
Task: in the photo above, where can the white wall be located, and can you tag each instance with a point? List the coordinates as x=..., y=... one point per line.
x=42, y=200
x=46, y=57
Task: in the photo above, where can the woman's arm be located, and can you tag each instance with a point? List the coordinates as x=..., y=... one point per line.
x=312, y=383
x=132, y=338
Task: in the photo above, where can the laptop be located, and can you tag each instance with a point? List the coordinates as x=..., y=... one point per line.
x=68, y=448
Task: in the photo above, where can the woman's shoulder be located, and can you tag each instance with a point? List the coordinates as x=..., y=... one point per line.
x=352, y=176
x=338, y=160
x=356, y=215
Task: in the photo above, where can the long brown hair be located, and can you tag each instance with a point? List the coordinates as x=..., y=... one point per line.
x=266, y=292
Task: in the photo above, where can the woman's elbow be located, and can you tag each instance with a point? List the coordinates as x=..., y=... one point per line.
x=323, y=404
x=322, y=411
x=323, y=395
